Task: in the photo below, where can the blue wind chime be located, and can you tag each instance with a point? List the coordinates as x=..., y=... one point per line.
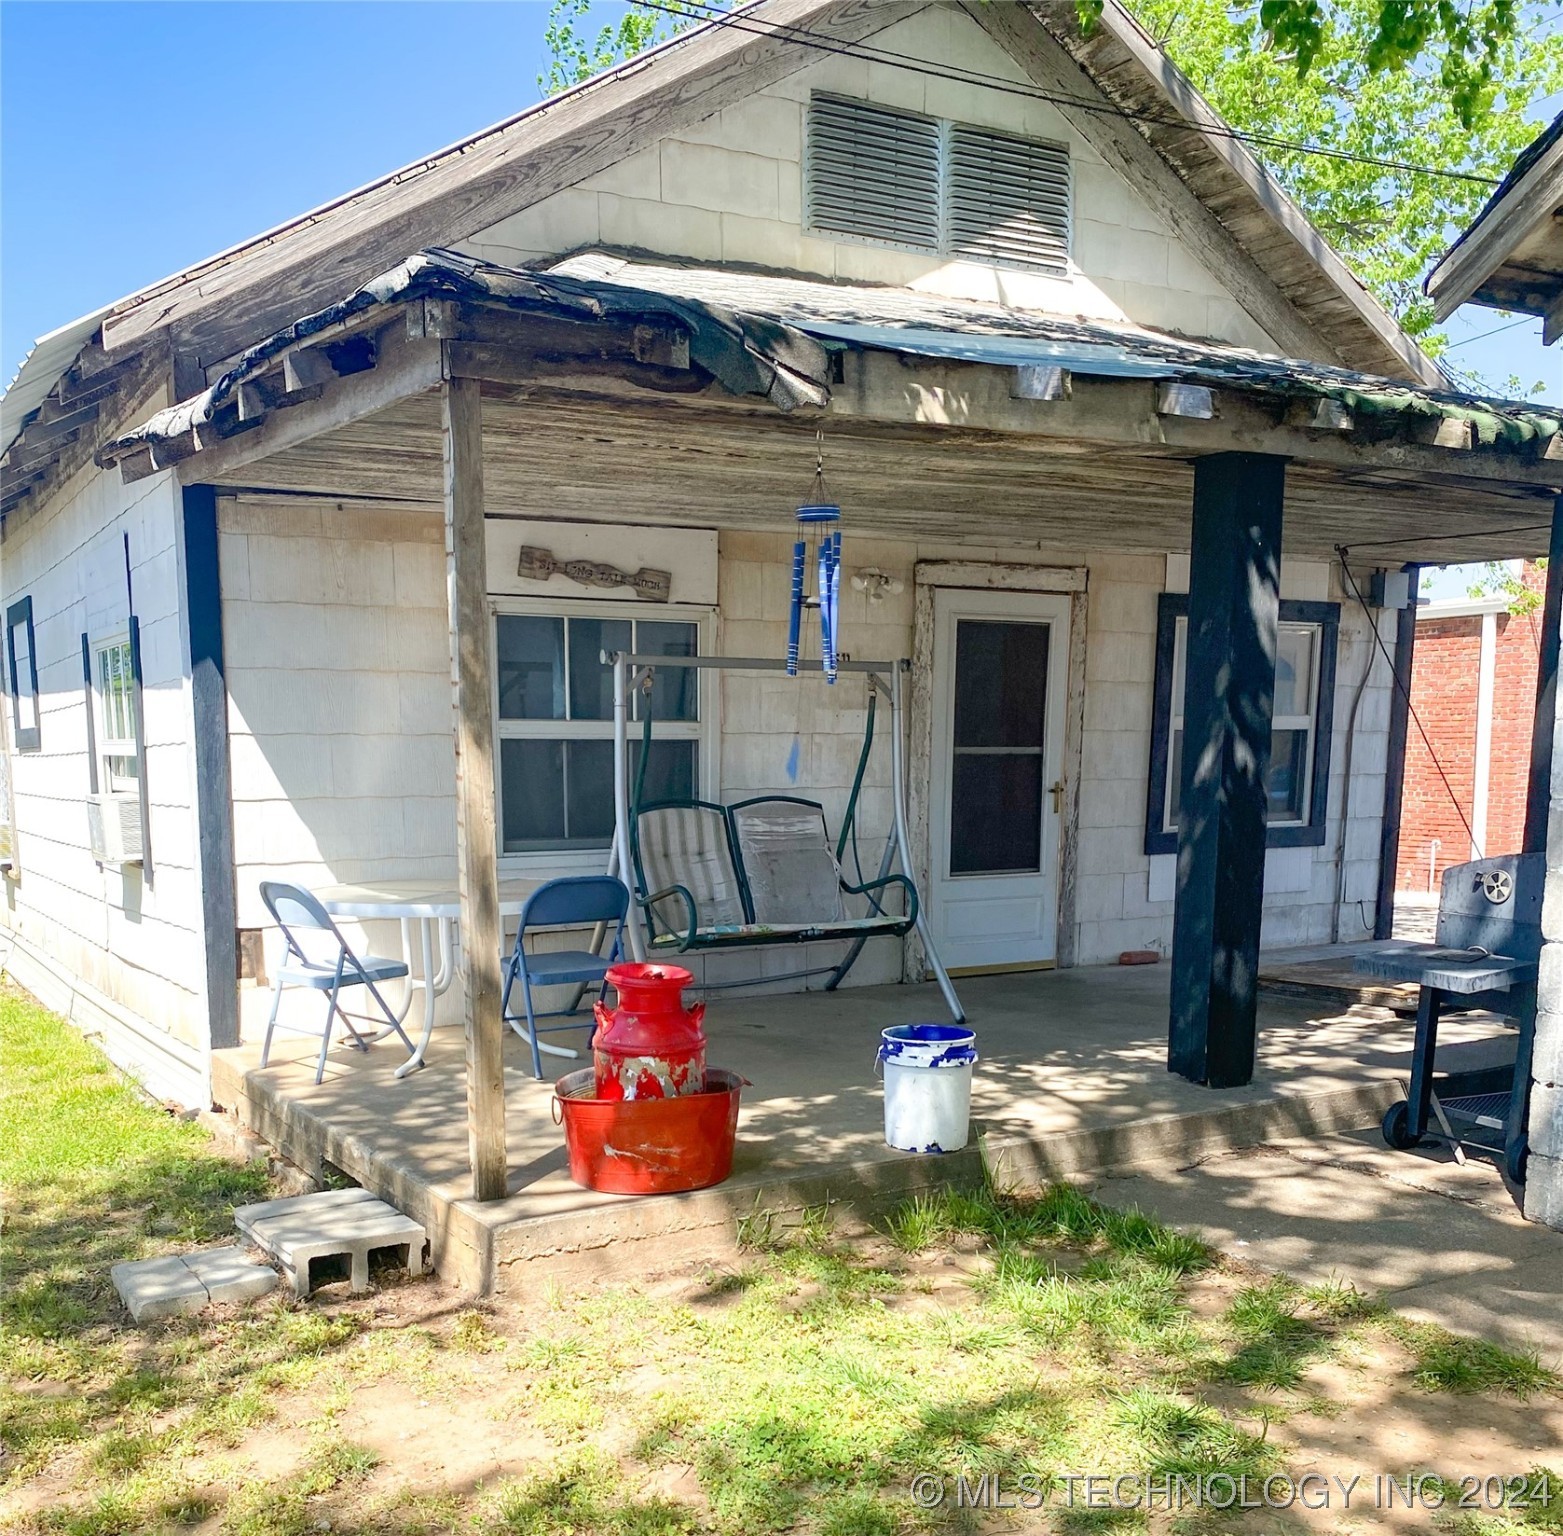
x=817, y=523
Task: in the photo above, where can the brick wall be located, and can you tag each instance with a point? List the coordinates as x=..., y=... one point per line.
x=1513, y=714
x=1444, y=682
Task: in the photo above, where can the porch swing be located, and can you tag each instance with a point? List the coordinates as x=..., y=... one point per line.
x=706, y=876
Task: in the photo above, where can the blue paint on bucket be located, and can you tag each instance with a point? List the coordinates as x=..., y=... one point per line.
x=927, y=1070
x=928, y=1045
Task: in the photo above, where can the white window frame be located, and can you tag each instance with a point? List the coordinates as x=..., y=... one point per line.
x=1309, y=723
x=109, y=745
x=705, y=732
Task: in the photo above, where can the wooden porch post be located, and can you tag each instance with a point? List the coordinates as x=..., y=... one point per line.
x=476, y=858
x=1229, y=686
x=1538, y=789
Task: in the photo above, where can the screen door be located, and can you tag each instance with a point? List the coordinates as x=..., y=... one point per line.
x=996, y=791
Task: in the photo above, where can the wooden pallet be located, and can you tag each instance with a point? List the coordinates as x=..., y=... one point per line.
x=1337, y=985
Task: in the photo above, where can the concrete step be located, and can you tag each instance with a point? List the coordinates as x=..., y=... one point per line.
x=187, y=1282
x=581, y=1240
x=333, y=1223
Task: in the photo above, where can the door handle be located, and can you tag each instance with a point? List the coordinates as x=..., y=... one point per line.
x=1057, y=792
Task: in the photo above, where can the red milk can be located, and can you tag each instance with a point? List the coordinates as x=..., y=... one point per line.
x=651, y=1046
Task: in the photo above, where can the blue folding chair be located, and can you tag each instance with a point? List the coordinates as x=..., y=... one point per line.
x=572, y=902
x=335, y=966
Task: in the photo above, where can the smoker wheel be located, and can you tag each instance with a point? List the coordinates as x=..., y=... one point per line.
x=1397, y=1127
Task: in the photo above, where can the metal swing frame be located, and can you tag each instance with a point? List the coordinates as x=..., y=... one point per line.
x=887, y=678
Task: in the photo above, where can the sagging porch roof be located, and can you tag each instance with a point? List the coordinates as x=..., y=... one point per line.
x=672, y=354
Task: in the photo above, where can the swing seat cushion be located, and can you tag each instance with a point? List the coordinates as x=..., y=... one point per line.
x=759, y=872
x=791, y=873
x=688, y=845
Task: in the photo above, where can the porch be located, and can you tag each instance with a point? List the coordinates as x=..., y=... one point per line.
x=1073, y=1080
x=501, y=412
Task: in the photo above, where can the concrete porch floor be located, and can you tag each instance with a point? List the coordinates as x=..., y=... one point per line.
x=1072, y=1080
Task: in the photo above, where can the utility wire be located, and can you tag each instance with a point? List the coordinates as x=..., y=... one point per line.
x=1432, y=538
x=1405, y=689
x=707, y=11
x=1496, y=331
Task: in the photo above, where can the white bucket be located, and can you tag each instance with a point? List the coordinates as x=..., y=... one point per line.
x=927, y=1070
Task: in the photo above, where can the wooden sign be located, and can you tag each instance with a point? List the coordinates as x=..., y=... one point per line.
x=540, y=564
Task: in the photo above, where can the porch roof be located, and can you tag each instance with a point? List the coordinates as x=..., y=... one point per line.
x=927, y=325
x=770, y=336
x=673, y=369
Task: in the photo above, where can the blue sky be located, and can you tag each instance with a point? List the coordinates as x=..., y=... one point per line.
x=138, y=138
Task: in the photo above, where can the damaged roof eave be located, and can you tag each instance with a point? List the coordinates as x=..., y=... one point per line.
x=773, y=340
x=1528, y=200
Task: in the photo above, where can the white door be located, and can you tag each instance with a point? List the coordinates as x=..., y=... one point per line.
x=995, y=794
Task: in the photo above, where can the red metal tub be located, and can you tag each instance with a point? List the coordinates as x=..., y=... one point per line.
x=649, y=1146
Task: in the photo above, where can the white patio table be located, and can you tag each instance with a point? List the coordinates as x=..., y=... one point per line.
x=436, y=910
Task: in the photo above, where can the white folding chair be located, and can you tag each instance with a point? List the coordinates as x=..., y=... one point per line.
x=332, y=967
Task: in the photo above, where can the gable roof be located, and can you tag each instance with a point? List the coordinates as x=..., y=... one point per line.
x=1511, y=254
x=212, y=311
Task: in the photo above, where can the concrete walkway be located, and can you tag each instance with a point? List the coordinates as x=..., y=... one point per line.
x=1444, y=1244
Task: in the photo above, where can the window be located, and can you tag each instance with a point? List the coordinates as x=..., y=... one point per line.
x=554, y=714
x=900, y=178
x=114, y=687
x=21, y=675
x=1297, y=782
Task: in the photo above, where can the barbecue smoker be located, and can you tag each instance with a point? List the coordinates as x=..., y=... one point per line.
x=1486, y=955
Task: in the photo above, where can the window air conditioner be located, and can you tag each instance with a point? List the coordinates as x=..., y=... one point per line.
x=114, y=828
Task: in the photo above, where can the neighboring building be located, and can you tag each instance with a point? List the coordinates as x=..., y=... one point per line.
x=1473, y=687
x=1056, y=325
x=1511, y=256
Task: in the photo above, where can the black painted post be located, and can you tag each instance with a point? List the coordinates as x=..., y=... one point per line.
x=1538, y=788
x=1229, y=687
x=213, y=785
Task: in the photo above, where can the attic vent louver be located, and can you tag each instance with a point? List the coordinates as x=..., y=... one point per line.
x=901, y=178
x=873, y=172
x=1008, y=199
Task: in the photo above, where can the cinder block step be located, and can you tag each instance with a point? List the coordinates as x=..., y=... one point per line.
x=351, y=1223
x=186, y=1282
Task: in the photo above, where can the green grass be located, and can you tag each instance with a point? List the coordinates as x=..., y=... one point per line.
x=1446, y=1363
x=799, y=1391
x=79, y=1139
x=95, y=1174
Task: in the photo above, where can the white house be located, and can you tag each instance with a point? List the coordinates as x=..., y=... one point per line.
x=1033, y=305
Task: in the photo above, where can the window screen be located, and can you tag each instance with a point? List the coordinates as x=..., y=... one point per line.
x=555, y=724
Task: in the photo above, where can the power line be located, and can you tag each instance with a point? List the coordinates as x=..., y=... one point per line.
x=1496, y=331
x=710, y=13
x=1433, y=538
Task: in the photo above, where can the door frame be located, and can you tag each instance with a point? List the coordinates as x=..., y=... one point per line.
x=995, y=577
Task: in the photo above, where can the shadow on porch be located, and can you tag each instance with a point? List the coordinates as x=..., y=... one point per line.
x=1072, y=1080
